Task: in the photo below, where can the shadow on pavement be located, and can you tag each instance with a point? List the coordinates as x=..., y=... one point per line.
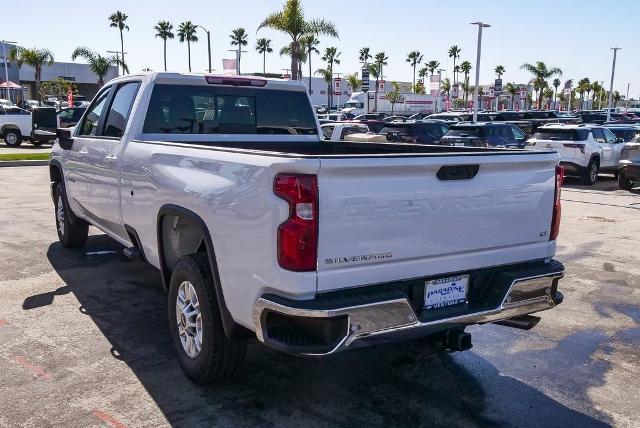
x=410, y=384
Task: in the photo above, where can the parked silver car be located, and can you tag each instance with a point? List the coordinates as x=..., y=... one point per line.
x=629, y=173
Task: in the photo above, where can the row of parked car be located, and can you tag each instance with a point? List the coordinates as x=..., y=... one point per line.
x=586, y=149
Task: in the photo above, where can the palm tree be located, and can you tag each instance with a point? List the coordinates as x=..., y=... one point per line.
x=499, y=70
x=414, y=58
x=263, y=46
x=432, y=66
x=239, y=38
x=331, y=57
x=309, y=44
x=187, y=32
x=547, y=95
x=163, y=30
x=99, y=64
x=512, y=90
x=616, y=97
x=596, y=91
x=422, y=74
x=291, y=20
x=454, y=52
x=556, y=85
x=328, y=77
x=584, y=85
x=446, y=87
x=380, y=60
x=364, y=56
x=540, y=73
x=465, y=67
x=353, y=81
x=118, y=20
x=34, y=57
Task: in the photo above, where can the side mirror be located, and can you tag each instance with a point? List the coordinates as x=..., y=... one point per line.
x=65, y=140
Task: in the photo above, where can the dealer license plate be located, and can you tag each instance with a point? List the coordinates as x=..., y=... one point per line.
x=442, y=292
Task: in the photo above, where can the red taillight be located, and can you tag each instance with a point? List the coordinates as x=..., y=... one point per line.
x=235, y=81
x=557, y=208
x=298, y=235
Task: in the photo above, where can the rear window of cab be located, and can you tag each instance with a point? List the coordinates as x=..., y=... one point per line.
x=561, y=134
x=188, y=109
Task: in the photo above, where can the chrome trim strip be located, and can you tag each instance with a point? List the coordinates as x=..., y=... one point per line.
x=397, y=315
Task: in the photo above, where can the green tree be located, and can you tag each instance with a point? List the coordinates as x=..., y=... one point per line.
x=34, y=57
x=164, y=31
x=380, y=61
x=331, y=57
x=394, y=96
x=584, y=85
x=597, y=88
x=238, y=38
x=446, y=87
x=263, y=46
x=291, y=21
x=364, y=56
x=118, y=20
x=99, y=64
x=187, y=33
x=512, y=90
x=414, y=58
x=540, y=73
x=499, y=70
x=328, y=77
x=465, y=67
x=309, y=44
x=556, y=85
x=547, y=95
x=454, y=52
x=57, y=88
x=616, y=97
x=432, y=66
x=354, y=81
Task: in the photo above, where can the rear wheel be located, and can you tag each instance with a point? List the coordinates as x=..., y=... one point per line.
x=590, y=174
x=69, y=235
x=623, y=182
x=12, y=137
x=204, y=351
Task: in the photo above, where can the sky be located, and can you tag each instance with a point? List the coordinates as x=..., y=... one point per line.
x=576, y=36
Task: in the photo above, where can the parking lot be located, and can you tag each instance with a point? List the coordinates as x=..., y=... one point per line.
x=84, y=341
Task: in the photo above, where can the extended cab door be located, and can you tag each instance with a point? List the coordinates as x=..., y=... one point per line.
x=101, y=176
x=605, y=148
x=614, y=146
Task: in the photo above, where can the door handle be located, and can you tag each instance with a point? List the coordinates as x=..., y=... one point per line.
x=83, y=151
x=111, y=158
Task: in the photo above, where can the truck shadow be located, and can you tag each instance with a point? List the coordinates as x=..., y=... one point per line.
x=410, y=384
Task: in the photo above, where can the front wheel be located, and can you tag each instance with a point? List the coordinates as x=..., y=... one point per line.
x=623, y=182
x=590, y=174
x=69, y=235
x=204, y=351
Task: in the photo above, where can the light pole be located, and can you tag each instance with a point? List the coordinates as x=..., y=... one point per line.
x=613, y=72
x=6, y=64
x=208, y=44
x=626, y=108
x=480, y=25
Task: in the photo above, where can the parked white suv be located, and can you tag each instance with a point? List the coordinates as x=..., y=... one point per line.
x=585, y=150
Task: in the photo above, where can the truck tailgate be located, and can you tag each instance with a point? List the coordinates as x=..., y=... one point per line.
x=388, y=218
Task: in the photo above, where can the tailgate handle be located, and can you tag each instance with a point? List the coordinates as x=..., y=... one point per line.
x=458, y=172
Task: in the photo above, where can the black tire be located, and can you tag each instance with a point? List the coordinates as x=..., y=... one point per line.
x=623, y=182
x=36, y=143
x=12, y=137
x=590, y=173
x=219, y=358
x=69, y=235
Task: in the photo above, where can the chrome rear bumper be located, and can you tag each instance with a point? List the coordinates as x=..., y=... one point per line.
x=525, y=295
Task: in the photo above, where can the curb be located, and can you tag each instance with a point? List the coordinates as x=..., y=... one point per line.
x=39, y=162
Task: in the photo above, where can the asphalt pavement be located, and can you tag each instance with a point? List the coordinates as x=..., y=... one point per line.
x=84, y=341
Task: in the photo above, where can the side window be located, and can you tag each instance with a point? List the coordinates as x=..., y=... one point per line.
x=327, y=131
x=611, y=139
x=351, y=130
x=66, y=114
x=90, y=123
x=118, y=114
x=598, y=135
x=517, y=133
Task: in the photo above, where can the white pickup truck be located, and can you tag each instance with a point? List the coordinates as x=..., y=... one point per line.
x=263, y=230
x=15, y=125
